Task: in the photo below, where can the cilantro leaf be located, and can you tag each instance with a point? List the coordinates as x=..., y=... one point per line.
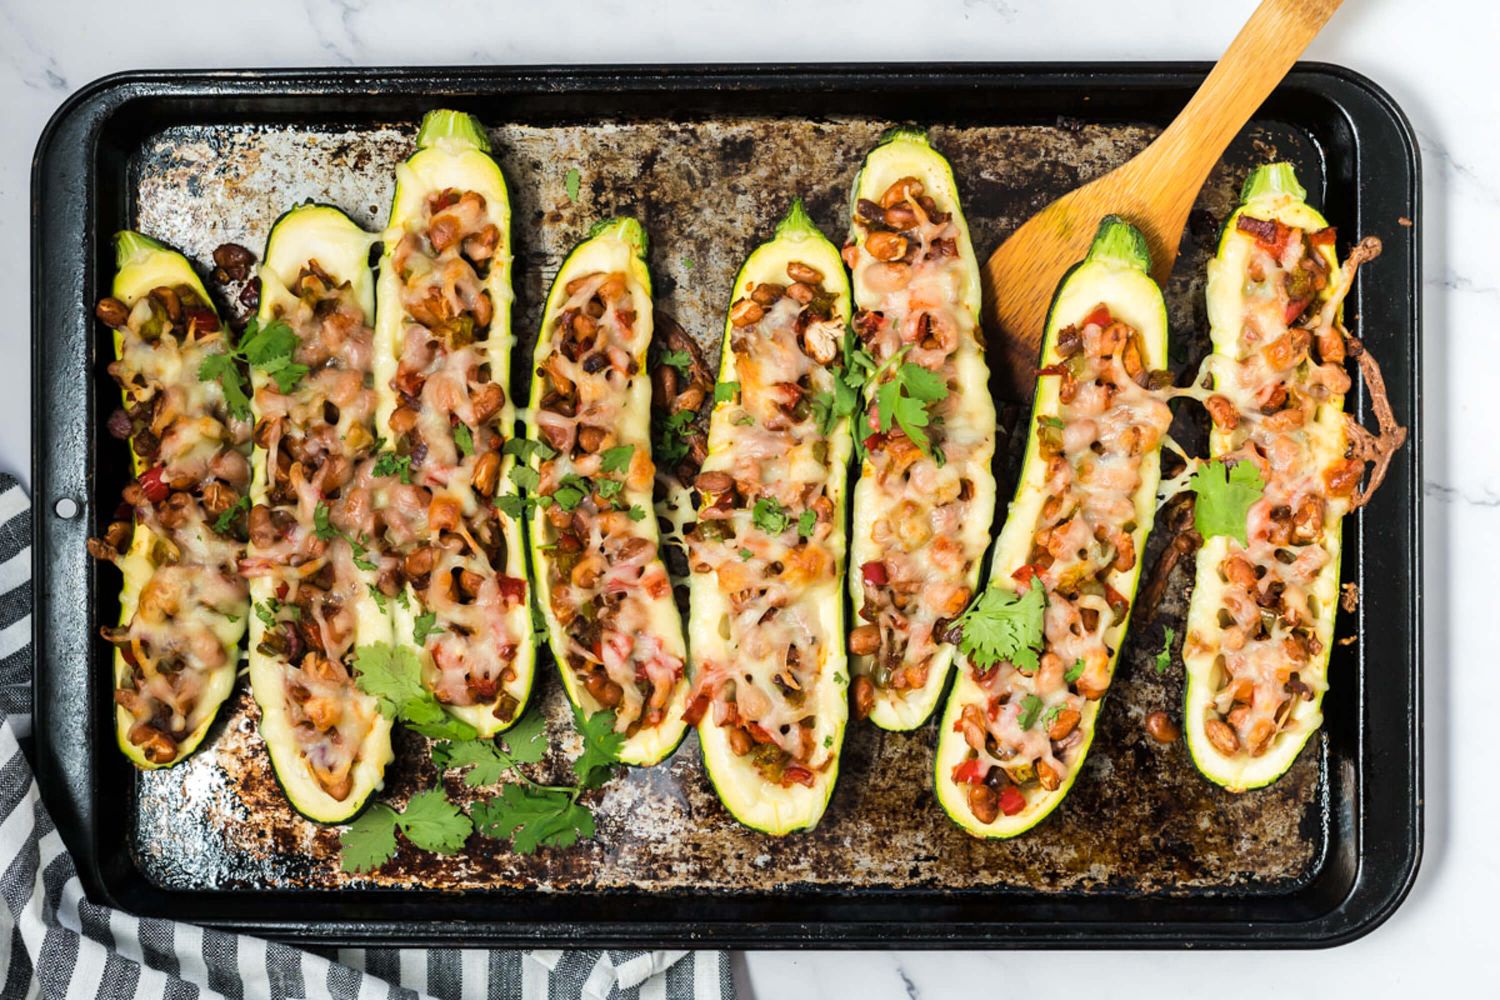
x=1031, y=707
x=636, y=512
x=523, y=449
x=922, y=383
x=681, y=360
x=322, y=527
x=527, y=739
x=424, y=625
x=226, y=520
x=746, y=554
x=724, y=392
x=1003, y=625
x=370, y=840
x=1225, y=496
x=1075, y=671
x=570, y=182
x=617, y=459
x=1164, y=658
x=376, y=596
x=391, y=464
x=434, y=824
x=285, y=371
x=531, y=817
x=769, y=516
x=525, y=477
x=904, y=398
x=464, y=438
x=437, y=725
x=511, y=505
x=601, y=747
x=390, y=674
x=262, y=345
x=221, y=368
x=806, y=522
x=486, y=762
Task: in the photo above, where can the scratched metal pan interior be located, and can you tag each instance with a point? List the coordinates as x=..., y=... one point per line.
x=1144, y=852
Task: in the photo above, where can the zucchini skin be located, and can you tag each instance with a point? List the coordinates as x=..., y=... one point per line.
x=1270, y=192
x=613, y=244
x=143, y=264
x=326, y=234
x=902, y=153
x=453, y=152
x=754, y=802
x=1116, y=273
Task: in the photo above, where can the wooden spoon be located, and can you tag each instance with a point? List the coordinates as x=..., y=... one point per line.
x=1154, y=190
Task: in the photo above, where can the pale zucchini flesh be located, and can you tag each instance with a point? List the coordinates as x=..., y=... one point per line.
x=903, y=154
x=453, y=153
x=612, y=246
x=1270, y=193
x=326, y=235
x=752, y=799
x=142, y=264
x=1115, y=274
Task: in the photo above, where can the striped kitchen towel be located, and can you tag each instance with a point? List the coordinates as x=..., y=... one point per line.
x=55, y=943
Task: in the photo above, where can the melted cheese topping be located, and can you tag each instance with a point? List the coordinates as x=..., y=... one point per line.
x=1107, y=425
x=449, y=430
x=606, y=586
x=1277, y=403
x=766, y=531
x=311, y=538
x=184, y=603
x=923, y=516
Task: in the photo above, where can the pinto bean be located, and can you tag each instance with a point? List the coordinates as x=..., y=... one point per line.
x=443, y=514
x=864, y=696
x=805, y=273
x=603, y=690
x=984, y=803
x=1161, y=728
x=740, y=742
x=112, y=312
x=767, y=293
x=263, y=533
x=900, y=216
x=886, y=246
x=865, y=640
x=1222, y=737
x=1239, y=571
x=419, y=562
x=1307, y=521
x=1066, y=721
x=591, y=438
x=487, y=473
x=403, y=420
x=905, y=189
x=487, y=400
x=744, y=312
x=1046, y=777
x=713, y=482
x=157, y=746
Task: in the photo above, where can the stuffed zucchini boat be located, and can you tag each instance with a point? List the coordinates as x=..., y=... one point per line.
x=770, y=678
x=442, y=363
x=183, y=603
x=601, y=584
x=313, y=575
x=1260, y=622
x=926, y=494
x=1039, y=647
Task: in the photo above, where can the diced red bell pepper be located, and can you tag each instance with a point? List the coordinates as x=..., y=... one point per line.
x=1118, y=602
x=512, y=589
x=874, y=441
x=1324, y=237
x=1099, y=317
x=1058, y=369
x=1294, y=308
x=1025, y=575
x=1011, y=800
x=875, y=573
x=761, y=734
x=1270, y=234
x=153, y=485
x=971, y=772
x=799, y=774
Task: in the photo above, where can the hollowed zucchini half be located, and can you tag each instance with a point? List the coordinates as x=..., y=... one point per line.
x=1116, y=273
x=908, y=153
x=612, y=245
x=453, y=152
x=750, y=798
x=328, y=236
x=141, y=265
x=1271, y=192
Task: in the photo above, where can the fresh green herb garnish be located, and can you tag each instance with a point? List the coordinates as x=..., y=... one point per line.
x=1054, y=422
x=904, y=399
x=617, y=459
x=532, y=816
x=636, y=513
x=570, y=181
x=681, y=360
x=376, y=596
x=806, y=522
x=671, y=446
x=1031, y=707
x=464, y=438
x=429, y=821
x=393, y=676
x=745, y=554
x=1003, y=625
x=1225, y=496
x=725, y=392
x=226, y=520
x=266, y=348
x=1074, y=672
x=1164, y=657
x=769, y=516
x=322, y=526
x=391, y=464
x=424, y=625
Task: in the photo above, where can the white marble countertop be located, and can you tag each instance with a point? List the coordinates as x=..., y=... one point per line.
x=1433, y=58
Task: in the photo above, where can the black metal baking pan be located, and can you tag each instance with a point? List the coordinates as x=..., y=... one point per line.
x=1145, y=853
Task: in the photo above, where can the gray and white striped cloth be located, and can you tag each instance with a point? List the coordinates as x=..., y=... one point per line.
x=55, y=943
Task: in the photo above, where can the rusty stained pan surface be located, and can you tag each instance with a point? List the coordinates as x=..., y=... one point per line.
x=1139, y=819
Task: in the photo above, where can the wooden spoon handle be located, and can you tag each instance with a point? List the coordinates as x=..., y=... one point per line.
x=1255, y=62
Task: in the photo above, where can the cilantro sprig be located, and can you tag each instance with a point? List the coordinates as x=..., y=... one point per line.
x=1225, y=494
x=905, y=399
x=1164, y=656
x=429, y=821
x=392, y=675
x=1004, y=626
x=267, y=349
